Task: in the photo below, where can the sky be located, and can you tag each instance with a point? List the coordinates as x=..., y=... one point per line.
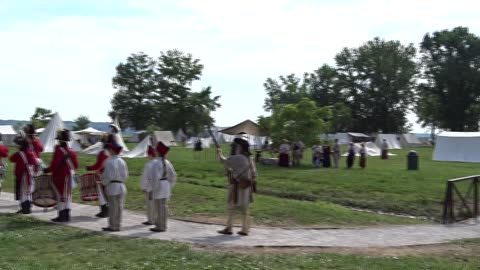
x=61, y=55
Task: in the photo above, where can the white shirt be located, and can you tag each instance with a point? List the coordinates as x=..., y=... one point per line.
x=385, y=146
x=284, y=148
x=115, y=170
x=144, y=181
x=162, y=189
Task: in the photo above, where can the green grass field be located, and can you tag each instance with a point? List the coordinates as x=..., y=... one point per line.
x=306, y=195
x=27, y=243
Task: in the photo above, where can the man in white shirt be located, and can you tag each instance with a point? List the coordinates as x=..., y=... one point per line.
x=145, y=186
x=160, y=180
x=113, y=178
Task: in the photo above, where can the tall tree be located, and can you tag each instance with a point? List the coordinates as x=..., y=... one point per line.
x=159, y=92
x=286, y=90
x=41, y=117
x=449, y=95
x=183, y=108
x=377, y=81
x=81, y=122
x=299, y=121
x=137, y=89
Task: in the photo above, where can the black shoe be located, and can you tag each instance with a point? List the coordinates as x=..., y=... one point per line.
x=108, y=229
x=225, y=231
x=148, y=223
x=57, y=219
x=103, y=211
x=66, y=215
x=62, y=217
x=28, y=207
x=242, y=233
x=156, y=230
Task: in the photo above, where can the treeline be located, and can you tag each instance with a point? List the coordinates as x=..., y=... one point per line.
x=372, y=88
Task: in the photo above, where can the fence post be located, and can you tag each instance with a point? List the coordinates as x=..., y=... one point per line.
x=475, y=198
x=447, y=204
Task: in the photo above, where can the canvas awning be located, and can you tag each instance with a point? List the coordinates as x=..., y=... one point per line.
x=90, y=131
x=247, y=126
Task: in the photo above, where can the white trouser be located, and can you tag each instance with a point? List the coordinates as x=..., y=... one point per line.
x=102, y=200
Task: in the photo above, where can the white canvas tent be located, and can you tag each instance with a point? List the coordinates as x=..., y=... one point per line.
x=90, y=131
x=393, y=141
x=410, y=140
x=457, y=146
x=8, y=134
x=205, y=142
x=50, y=133
x=372, y=150
x=93, y=149
x=136, y=136
x=140, y=150
x=342, y=138
x=165, y=136
x=180, y=136
x=119, y=137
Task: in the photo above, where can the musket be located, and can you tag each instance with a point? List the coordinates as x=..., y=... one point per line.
x=217, y=145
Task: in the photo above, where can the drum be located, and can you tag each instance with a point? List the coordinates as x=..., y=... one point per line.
x=88, y=187
x=45, y=194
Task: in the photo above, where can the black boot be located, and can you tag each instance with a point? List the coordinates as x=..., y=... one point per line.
x=27, y=207
x=59, y=218
x=103, y=211
x=66, y=215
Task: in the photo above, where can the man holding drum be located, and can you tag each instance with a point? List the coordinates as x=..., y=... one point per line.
x=99, y=167
x=3, y=167
x=34, y=144
x=63, y=166
x=24, y=161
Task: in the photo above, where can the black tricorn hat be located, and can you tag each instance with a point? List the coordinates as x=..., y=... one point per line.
x=63, y=135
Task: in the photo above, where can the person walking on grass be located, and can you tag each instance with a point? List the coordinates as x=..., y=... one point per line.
x=363, y=156
x=384, y=149
x=242, y=182
x=351, y=155
x=336, y=153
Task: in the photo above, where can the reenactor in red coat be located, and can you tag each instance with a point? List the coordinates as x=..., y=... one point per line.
x=34, y=144
x=63, y=166
x=25, y=163
x=99, y=167
x=3, y=166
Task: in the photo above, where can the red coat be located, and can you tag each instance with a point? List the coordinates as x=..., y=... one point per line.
x=102, y=156
x=20, y=166
x=60, y=170
x=23, y=171
x=3, y=153
x=36, y=146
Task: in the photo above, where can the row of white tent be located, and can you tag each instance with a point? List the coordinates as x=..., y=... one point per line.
x=47, y=137
x=8, y=134
x=394, y=141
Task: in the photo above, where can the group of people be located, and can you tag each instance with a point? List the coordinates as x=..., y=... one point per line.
x=157, y=181
x=323, y=155
x=110, y=167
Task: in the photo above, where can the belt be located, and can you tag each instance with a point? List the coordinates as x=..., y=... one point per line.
x=115, y=181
